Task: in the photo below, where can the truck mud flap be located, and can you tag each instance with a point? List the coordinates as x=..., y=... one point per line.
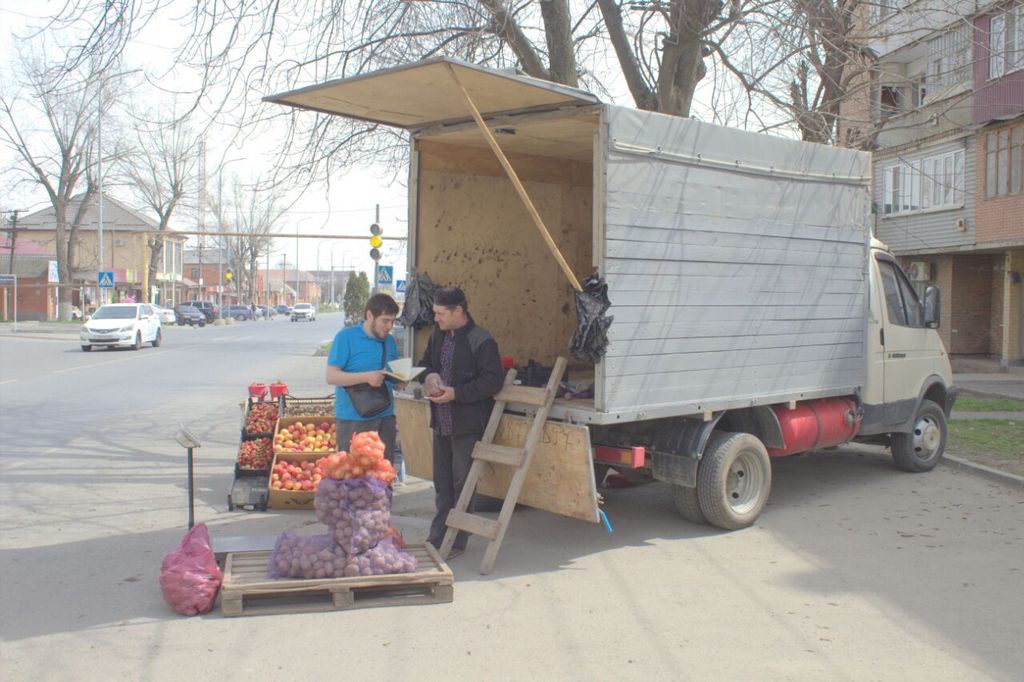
x=677, y=449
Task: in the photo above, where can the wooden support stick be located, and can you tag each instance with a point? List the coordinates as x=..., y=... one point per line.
x=530, y=208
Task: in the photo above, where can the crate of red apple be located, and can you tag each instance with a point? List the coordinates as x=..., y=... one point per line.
x=302, y=434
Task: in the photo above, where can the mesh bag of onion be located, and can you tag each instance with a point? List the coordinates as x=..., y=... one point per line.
x=357, y=512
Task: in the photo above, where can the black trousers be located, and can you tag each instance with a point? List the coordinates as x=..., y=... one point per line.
x=452, y=459
x=386, y=428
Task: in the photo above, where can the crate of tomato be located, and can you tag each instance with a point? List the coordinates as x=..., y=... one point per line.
x=260, y=418
x=255, y=456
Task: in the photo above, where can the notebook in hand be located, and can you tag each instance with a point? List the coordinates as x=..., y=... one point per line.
x=402, y=370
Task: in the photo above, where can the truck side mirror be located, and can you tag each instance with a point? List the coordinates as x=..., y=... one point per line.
x=932, y=307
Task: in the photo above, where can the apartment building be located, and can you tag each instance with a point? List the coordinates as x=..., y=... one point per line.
x=942, y=114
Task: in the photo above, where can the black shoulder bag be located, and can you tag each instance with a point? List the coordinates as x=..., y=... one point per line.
x=369, y=401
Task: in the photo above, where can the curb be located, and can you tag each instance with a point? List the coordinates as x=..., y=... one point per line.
x=1002, y=477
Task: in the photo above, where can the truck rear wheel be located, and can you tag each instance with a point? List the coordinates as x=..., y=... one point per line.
x=733, y=480
x=688, y=504
x=921, y=449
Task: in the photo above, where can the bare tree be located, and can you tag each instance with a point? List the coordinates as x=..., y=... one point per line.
x=239, y=48
x=252, y=211
x=160, y=171
x=50, y=125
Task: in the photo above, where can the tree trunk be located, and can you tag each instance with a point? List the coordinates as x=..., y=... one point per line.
x=561, y=51
x=682, y=59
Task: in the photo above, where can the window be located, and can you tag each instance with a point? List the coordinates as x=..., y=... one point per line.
x=882, y=9
x=903, y=308
x=1006, y=42
x=194, y=274
x=948, y=57
x=893, y=99
x=1003, y=159
x=932, y=182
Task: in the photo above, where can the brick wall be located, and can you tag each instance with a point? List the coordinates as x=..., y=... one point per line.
x=998, y=287
x=972, y=312
x=997, y=219
x=944, y=281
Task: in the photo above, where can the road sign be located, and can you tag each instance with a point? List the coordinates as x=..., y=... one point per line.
x=385, y=274
x=399, y=286
x=52, y=272
x=7, y=279
x=105, y=279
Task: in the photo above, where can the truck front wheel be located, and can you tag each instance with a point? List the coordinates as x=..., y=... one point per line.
x=733, y=480
x=921, y=449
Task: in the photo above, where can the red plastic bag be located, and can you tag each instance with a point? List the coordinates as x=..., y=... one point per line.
x=189, y=576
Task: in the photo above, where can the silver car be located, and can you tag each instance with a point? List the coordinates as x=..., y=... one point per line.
x=303, y=311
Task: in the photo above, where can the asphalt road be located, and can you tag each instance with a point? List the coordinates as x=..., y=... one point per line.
x=855, y=571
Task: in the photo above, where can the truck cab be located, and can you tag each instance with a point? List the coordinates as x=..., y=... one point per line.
x=909, y=389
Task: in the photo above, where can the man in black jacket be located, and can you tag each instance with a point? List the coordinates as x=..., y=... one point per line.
x=463, y=372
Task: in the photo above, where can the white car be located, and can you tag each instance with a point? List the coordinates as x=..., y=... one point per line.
x=166, y=315
x=303, y=311
x=127, y=325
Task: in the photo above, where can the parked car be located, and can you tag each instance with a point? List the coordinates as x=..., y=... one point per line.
x=166, y=315
x=210, y=309
x=304, y=311
x=127, y=325
x=190, y=315
x=284, y=309
x=239, y=312
x=265, y=312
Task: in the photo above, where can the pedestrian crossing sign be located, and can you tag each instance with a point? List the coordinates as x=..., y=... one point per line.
x=399, y=286
x=105, y=279
x=385, y=274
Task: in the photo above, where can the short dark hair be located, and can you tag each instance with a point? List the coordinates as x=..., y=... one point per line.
x=380, y=304
x=451, y=298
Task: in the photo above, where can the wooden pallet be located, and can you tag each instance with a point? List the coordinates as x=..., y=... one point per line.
x=247, y=591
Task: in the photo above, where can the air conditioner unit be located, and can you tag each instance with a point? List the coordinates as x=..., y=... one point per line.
x=919, y=271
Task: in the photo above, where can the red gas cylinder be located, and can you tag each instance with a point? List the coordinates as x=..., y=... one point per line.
x=816, y=424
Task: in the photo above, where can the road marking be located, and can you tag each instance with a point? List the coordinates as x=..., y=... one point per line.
x=7, y=381
x=96, y=364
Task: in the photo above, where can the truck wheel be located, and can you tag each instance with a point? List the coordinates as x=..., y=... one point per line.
x=733, y=480
x=921, y=449
x=687, y=504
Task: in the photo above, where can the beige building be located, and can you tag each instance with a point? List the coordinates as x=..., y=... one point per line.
x=126, y=238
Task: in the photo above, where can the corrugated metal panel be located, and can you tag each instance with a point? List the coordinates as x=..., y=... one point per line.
x=933, y=230
x=735, y=264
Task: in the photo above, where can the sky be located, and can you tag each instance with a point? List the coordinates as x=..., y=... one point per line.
x=348, y=208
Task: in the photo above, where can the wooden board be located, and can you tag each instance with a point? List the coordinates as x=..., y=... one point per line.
x=473, y=231
x=247, y=591
x=560, y=478
x=413, y=417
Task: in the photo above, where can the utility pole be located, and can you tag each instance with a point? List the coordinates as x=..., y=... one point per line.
x=376, y=221
x=296, y=263
x=14, y=236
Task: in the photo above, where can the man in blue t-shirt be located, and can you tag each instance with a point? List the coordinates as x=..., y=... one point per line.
x=355, y=358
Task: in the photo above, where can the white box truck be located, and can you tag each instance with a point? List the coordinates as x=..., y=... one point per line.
x=754, y=314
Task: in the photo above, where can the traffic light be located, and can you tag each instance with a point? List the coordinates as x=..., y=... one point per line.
x=375, y=241
x=228, y=275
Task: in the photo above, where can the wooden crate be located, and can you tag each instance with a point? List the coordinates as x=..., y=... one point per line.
x=247, y=591
x=292, y=499
x=283, y=422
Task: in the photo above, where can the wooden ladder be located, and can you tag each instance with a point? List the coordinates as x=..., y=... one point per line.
x=487, y=451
